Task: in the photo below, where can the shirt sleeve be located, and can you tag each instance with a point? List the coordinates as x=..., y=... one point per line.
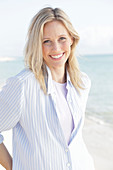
x=11, y=101
x=85, y=91
x=86, y=82
x=1, y=138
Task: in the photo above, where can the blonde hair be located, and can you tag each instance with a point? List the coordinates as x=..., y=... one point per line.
x=33, y=48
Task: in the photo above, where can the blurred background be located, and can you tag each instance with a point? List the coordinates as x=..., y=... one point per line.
x=93, y=20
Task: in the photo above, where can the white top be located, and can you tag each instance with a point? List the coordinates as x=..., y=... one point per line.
x=38, y=140
x=63, y=112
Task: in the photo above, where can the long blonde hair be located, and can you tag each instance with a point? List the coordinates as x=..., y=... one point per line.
x=33, y=48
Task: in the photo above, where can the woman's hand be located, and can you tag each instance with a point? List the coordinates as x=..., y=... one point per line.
x=5, y=157
x=9, y=165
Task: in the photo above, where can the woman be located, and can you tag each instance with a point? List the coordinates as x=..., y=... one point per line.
x=45, y=103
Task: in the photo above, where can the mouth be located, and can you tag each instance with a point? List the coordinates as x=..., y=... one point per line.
x=59, y=56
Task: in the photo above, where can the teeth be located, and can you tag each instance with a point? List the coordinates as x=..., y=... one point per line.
x=57, y=56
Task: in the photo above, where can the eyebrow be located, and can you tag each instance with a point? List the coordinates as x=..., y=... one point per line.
x=50, y=37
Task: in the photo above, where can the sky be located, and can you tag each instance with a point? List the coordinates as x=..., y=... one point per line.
x=92, y=19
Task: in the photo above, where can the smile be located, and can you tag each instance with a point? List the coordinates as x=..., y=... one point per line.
x=56, y=56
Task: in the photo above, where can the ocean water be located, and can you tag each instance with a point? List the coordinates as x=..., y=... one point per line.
x=10, y=67
x=100, y=70
x=100, y=102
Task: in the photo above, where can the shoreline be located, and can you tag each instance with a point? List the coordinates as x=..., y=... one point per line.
x=5, y=59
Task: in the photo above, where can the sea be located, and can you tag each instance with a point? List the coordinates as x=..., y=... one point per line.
x=99, y=68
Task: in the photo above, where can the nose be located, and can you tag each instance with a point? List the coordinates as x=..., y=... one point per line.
x=56, y=46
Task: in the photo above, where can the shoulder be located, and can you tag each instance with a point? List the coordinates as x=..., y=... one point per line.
x=24, y=75
x=17, y=81
x=86, y=81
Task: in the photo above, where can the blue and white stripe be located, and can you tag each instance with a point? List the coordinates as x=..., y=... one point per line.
x=38, y=140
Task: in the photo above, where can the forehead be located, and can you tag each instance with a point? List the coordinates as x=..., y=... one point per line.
x=54, y=28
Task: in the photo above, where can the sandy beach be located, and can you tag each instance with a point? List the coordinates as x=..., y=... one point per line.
x=99, y=141
x=2, y=59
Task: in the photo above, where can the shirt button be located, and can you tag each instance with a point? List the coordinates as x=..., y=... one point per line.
x=68, y=164
x=66, y=150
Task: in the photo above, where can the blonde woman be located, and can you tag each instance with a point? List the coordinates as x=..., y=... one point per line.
x=45, y=103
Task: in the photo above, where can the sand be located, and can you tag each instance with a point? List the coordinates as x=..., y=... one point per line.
x=99, y=141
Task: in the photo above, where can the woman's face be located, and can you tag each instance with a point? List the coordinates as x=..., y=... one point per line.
x=56, y=44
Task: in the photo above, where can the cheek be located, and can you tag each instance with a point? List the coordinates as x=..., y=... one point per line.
x=45, y=50
x=67, y=47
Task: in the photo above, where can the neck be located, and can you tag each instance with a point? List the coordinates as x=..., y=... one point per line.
x=59, y=75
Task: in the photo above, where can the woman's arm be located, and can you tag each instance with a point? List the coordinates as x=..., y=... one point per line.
x=5, y=157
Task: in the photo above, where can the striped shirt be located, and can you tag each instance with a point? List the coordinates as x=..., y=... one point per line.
x=38, y=140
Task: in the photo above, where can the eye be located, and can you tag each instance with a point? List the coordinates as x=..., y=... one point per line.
x=46, y=41
x=62, y=38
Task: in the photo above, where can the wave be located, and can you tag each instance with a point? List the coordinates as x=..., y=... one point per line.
x=99, y=121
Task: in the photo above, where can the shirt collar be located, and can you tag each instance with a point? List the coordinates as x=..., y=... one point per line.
x=69, y=83
x=49, y=81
